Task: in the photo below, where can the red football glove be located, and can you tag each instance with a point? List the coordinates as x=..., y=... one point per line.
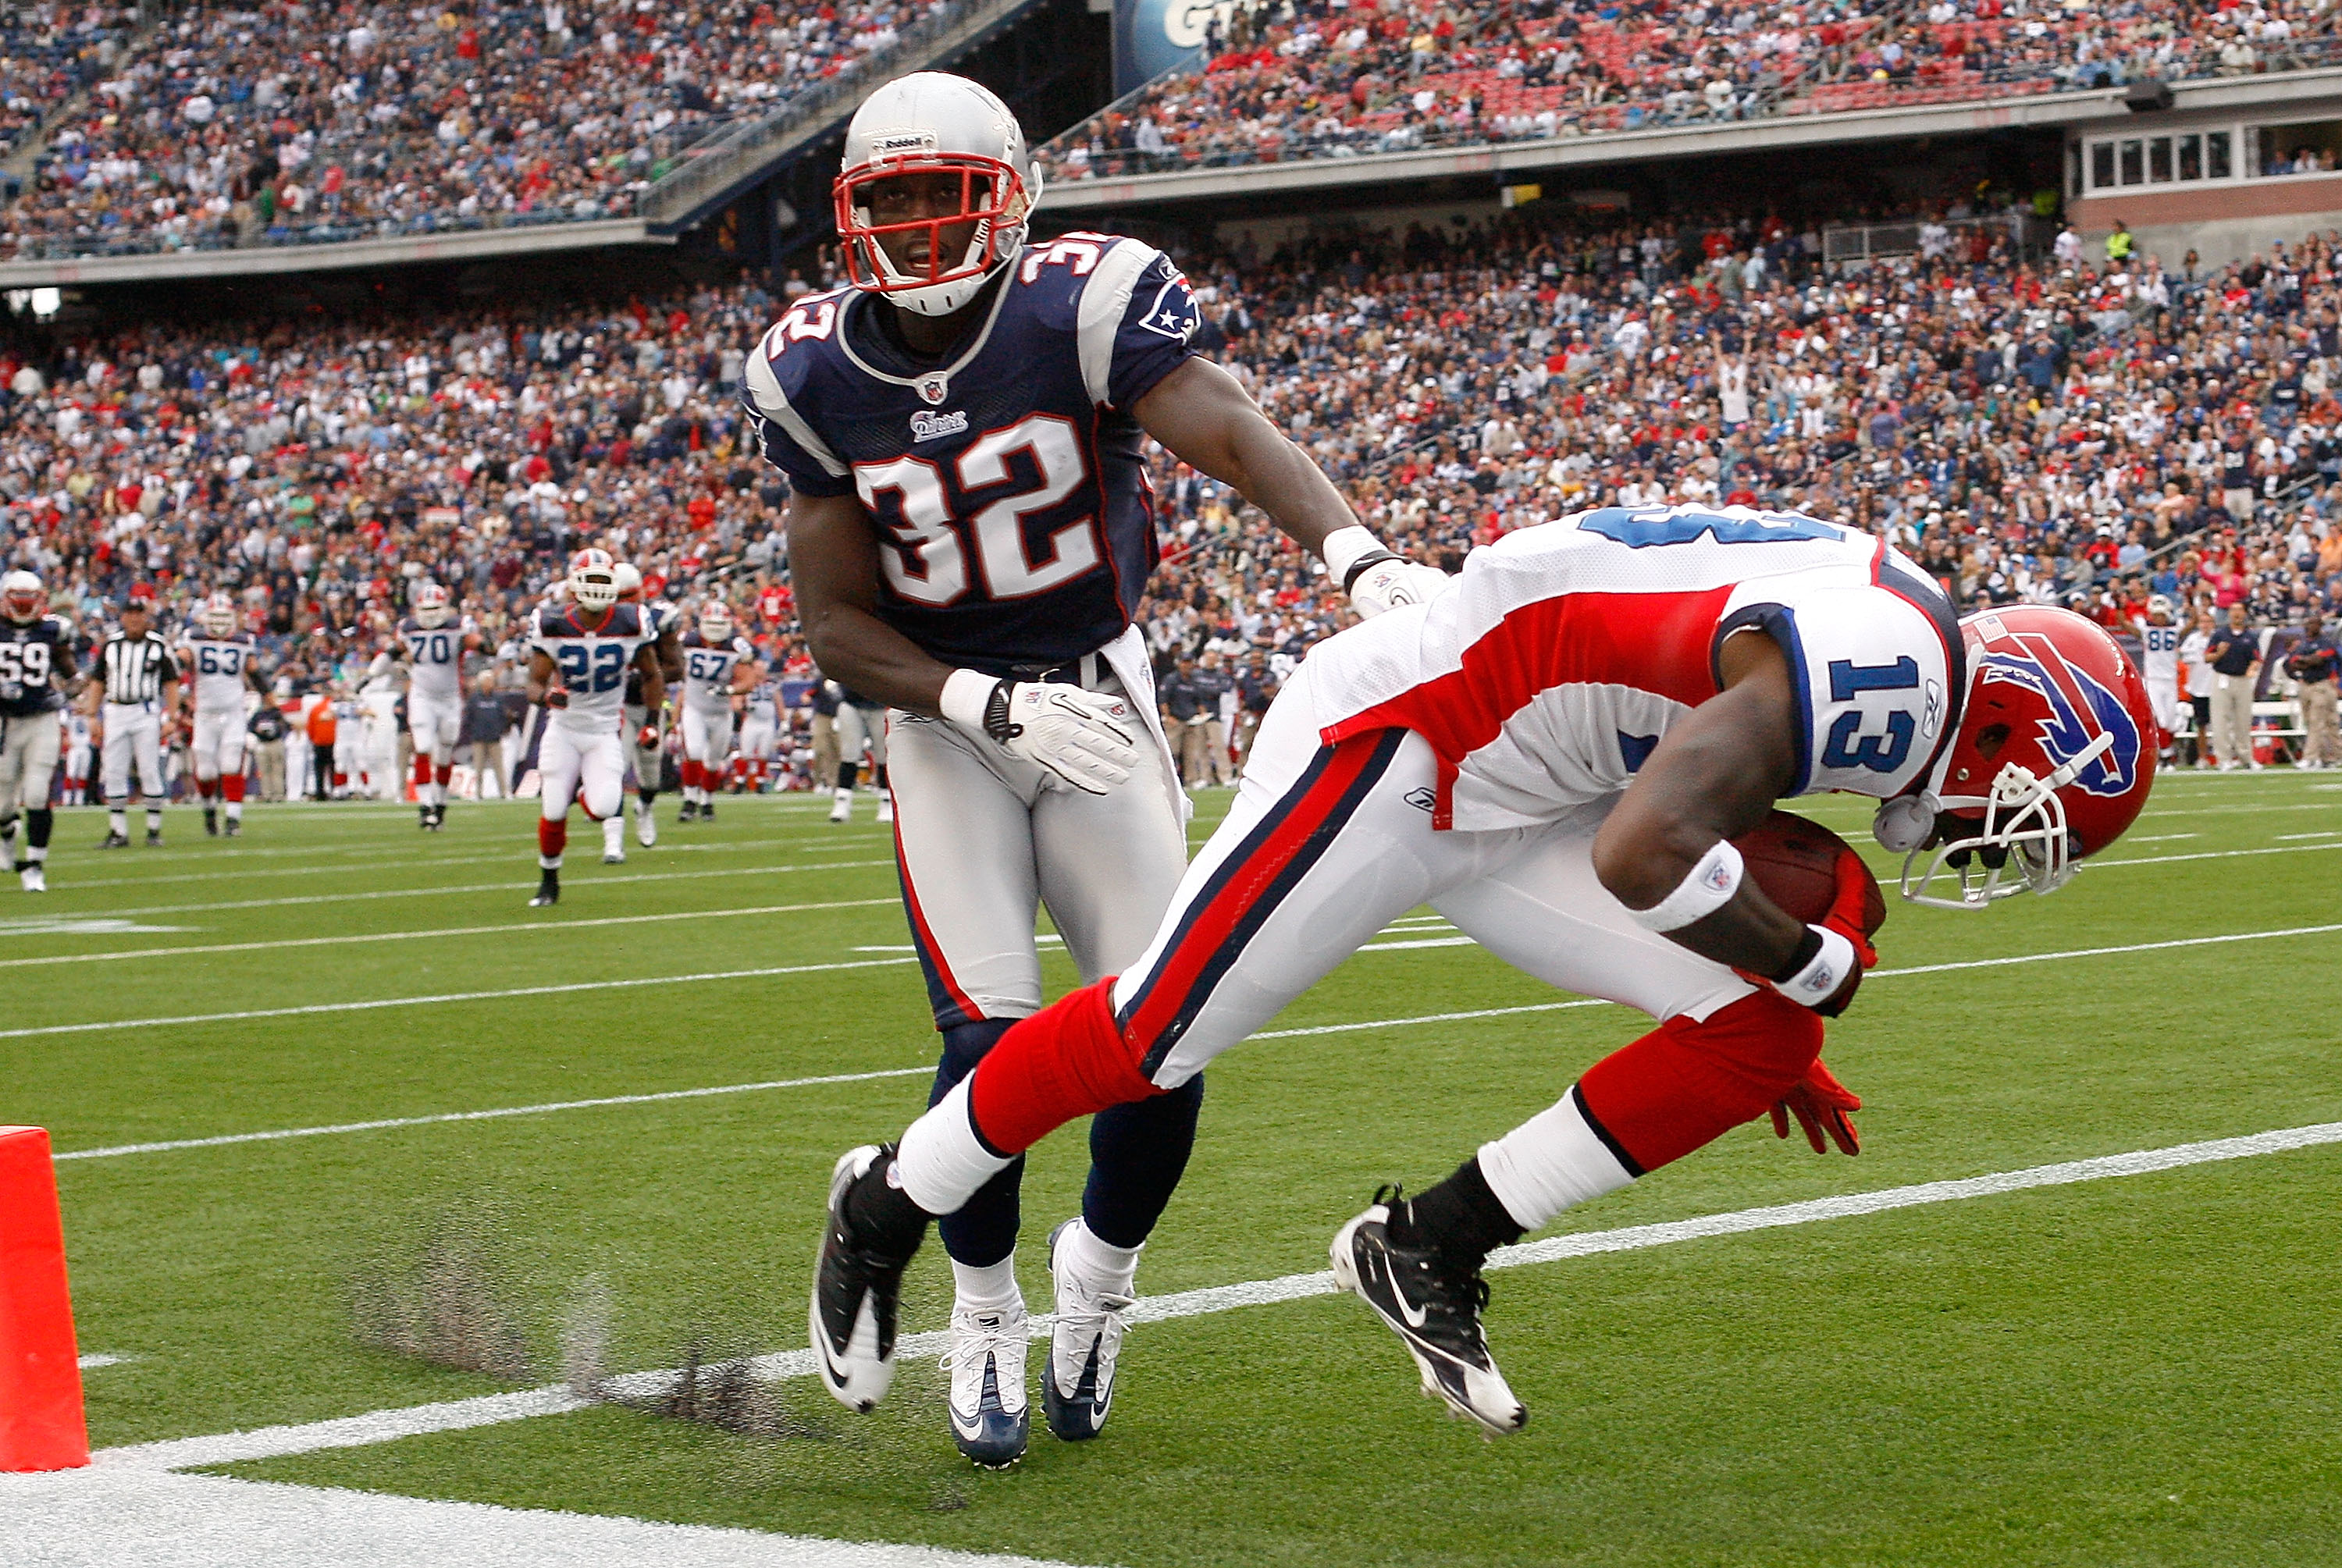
x=1820, y=1103
x=649, y=739
x=1849, y=913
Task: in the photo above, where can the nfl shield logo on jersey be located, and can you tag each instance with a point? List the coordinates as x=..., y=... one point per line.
x=934, y=388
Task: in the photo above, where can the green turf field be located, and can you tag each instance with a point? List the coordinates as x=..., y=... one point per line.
x=2136, y=1371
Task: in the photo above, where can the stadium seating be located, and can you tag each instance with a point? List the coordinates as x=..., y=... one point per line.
x=282, y=122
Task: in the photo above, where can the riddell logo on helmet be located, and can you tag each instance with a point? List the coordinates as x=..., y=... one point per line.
x=895, y=143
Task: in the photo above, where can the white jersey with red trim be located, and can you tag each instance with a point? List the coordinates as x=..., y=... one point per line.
x=435, y=660
x=590, y=660
x=219, y=667
x=1546, y=672
x=707, y=671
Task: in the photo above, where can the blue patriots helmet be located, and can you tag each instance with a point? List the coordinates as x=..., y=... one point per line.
x=2051, y=763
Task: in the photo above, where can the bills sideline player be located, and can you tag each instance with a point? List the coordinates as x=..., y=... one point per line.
x=579, y=653
x=219, y=654
x=1556, y=751
x=644, y=716
x=719, y=668
x=431, y=650
x=2159, y=639
x=36, y=663
x=760, y=730
x=970, y=528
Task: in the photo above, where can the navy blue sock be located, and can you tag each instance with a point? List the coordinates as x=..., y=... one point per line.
x=983, y=1231
x=1137, y=1153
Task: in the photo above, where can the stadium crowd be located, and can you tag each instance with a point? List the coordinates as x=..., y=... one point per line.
x=285, y=122
x=2094, y=435
x=49, y=52
x=1317, y=78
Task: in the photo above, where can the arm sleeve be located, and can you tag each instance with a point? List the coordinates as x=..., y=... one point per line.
x=1137, y=323
x=782, y=433
x=1872, y=678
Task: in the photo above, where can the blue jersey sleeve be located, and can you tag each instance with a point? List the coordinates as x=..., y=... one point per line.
x=776, y=373
x=1137, y=323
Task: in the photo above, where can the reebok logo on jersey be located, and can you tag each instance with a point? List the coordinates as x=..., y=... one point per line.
x=926, y=426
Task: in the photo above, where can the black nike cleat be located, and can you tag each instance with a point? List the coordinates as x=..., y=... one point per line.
x=549, y=890
x=857, y=1291
x=114, y=841
x=690, y=810
x=1434, y=1308
x=154, y=838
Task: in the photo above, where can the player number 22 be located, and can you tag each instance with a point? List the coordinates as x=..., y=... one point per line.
x=599, y=671
x=931, y=566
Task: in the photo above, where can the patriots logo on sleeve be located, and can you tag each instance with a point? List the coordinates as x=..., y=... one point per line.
x=2081, y=709
x=1175, y=313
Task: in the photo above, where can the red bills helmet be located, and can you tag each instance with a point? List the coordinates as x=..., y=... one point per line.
x=219, y=617
x=434, y=604
x=963, y=143
x=2051, y=762
x=593, y=580
x=21, y=598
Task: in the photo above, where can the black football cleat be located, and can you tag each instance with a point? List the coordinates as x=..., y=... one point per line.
x=548, y=891
x=1077, y=1381
x=858, y=1290
x=154, y=838
x=211, y=822
x=707, y=811
x=234, y=827
x=114, y=841
x=423, y=818
x=1434, y=1307
x=690, y=811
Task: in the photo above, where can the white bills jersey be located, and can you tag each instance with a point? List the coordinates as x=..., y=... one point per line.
x=763, y=704
x=590, y=659
x=435, y=660
x=219, y=667
x=1545, y=674
x=707, y=669
x=2159, y=651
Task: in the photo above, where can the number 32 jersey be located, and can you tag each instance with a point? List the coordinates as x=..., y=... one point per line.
x=590, y=660
x=1546, y=673
x=1014, y=522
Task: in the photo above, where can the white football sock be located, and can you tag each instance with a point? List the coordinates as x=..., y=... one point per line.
x=941, y=1161
x=1112, y=1269
x=235, y=811
x=1550, y=1162
x=987, y=1287
x=614, y=829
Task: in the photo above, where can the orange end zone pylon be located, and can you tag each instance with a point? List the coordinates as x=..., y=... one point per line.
x=41, y=1425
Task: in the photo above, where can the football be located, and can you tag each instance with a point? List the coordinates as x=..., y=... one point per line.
x=1796, y=863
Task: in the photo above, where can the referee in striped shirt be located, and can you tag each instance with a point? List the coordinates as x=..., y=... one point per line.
x=134, y=687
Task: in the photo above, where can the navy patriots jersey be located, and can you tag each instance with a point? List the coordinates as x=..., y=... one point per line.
x=31, y=654
x=1015, y=522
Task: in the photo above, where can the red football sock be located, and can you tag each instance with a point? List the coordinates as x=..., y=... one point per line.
x=442, y=773
x=1066, y=1061
x=206, y=788
x=1688, y=1082
x=421, y=769
x=233, y=785
x=551, y=837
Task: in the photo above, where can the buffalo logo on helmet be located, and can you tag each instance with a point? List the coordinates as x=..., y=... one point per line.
x=2080, y=708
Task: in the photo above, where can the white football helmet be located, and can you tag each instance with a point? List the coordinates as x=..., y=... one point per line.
x=21, y=598
x=630, y=582
x=219, y=617
x=933, y=122
x=716, y=623
x=433, y=606
x=593, y=580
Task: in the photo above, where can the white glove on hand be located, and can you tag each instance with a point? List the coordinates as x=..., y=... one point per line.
x=1086, y=738
x=1388, y=585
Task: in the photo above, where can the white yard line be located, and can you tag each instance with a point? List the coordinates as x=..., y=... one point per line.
x=92, y=1363
x=229, y=865
x=2089, y=866
x=555, y=925
x=109, y=1517
x=388, y=1425
x=2329, y=833
x=1368, y=1024
x=323, y=1007
x=589, y=881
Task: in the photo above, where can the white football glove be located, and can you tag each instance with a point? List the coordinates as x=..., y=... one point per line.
x=1086, y=738
x=1386, y=584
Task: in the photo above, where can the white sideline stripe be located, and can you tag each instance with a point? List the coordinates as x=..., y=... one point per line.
x=380, y=1003
x=501, y=1112
x=904, y=1072
x=2329, y=833
x=447, y=931
x=473, y=887
x=233, y=867
x=2209, y=854
x=386, y=1425
x=92, y=1363
x=109, y=1517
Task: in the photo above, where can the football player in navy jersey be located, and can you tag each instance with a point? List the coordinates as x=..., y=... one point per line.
x=964, y=427
x=36, y=663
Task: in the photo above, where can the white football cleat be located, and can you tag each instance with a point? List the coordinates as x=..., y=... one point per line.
x=34, y=878
x=856, y=1294
x=844, y=808
x=646, y=825
x=1434, y=1310
x=886, y=809
x=990, y=1416
x=1078, y=1386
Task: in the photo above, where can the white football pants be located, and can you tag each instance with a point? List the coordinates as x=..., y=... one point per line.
x=707, y=736
x=218, y=750
x=133, y=738
x=28, y=762
x=862, y=737
x=584, y=767
x=983, y=839
x=435, y=724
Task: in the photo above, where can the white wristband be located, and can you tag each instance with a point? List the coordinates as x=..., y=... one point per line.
x=1708, y=888
x=1345, y=547
x=1818, y=981
x=965, y=693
